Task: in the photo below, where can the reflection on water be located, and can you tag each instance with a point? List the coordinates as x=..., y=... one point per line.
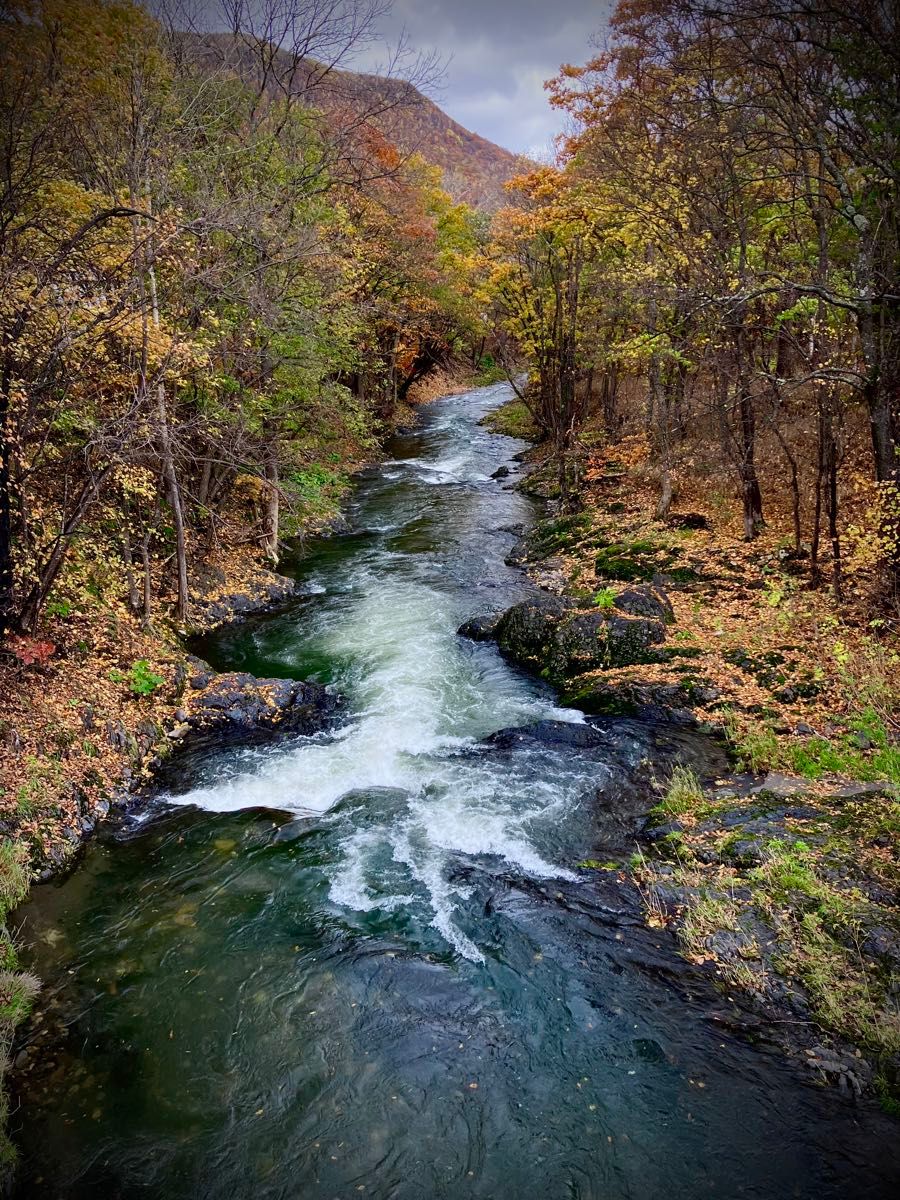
x=367, y=964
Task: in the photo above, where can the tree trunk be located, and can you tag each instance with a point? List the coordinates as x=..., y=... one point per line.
x=753, y=510
x=836, y=571
x=817, y=515
x=271, y=515
x=795, y=484
x=7, y=577
x=134, y=600
x=609, y=398
x=148, y=581
x=662, y=434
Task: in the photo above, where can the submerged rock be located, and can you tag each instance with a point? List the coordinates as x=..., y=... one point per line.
x=548, y=733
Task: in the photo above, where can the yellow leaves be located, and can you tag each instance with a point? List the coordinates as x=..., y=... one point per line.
x=136, y=481
x=249, y=487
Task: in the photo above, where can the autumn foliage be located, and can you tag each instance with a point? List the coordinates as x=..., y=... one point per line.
x=714, y=262
x=216, y=286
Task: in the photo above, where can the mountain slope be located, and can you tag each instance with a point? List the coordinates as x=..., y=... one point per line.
x=474, y=168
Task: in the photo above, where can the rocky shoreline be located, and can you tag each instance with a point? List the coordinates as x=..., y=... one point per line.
x=757, y=878
x=201, y=708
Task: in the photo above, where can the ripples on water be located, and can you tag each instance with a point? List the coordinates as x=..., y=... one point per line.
x=366, y=963
x=384, y=627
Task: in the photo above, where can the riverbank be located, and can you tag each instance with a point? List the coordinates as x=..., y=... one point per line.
x=782, y=879
x=89, y=703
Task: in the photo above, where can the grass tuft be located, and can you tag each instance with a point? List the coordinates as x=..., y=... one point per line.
x=683, y=794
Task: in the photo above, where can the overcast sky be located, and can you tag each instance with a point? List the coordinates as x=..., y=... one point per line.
x=500, y=52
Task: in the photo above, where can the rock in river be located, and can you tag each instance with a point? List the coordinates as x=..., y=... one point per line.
x=236, y=705
x=551, y=636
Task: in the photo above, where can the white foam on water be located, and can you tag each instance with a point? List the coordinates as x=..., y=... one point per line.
x=420, y=699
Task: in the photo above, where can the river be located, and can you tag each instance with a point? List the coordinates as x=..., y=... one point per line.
x=368, y=963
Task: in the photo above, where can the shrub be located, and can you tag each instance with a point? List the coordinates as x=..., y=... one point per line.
x=143, y=680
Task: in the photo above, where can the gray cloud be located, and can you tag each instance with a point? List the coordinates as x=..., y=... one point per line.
x=500, y=52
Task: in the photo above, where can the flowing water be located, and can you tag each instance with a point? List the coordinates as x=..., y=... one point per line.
x=367, y=963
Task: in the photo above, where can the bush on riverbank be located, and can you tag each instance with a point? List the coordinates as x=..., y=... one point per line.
x=17, y=988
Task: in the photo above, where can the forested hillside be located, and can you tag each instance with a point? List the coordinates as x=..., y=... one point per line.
x=474, y=170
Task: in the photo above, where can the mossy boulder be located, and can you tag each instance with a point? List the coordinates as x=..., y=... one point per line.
x=604, y=639
x=626, y=561
x=550, y=636
x=526, y=632
x=646, y=601
x=635, y=698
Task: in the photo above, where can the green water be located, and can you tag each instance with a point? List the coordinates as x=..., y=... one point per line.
x=367, y=963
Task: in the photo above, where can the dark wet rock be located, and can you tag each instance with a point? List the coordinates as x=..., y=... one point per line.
x=525, y=632
x=519, y=554
x=646, y=601
x=744, y=851
x=649, y=701
x=601, y=639
x=549, y=636
x=500, y=473
x=292, y=830
x=236, y=705
x=260, y=595
x=549, y=733
x=660, y=833
x=199, y=674
x=882, y=942
x=729, y=945
x=480, y=628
